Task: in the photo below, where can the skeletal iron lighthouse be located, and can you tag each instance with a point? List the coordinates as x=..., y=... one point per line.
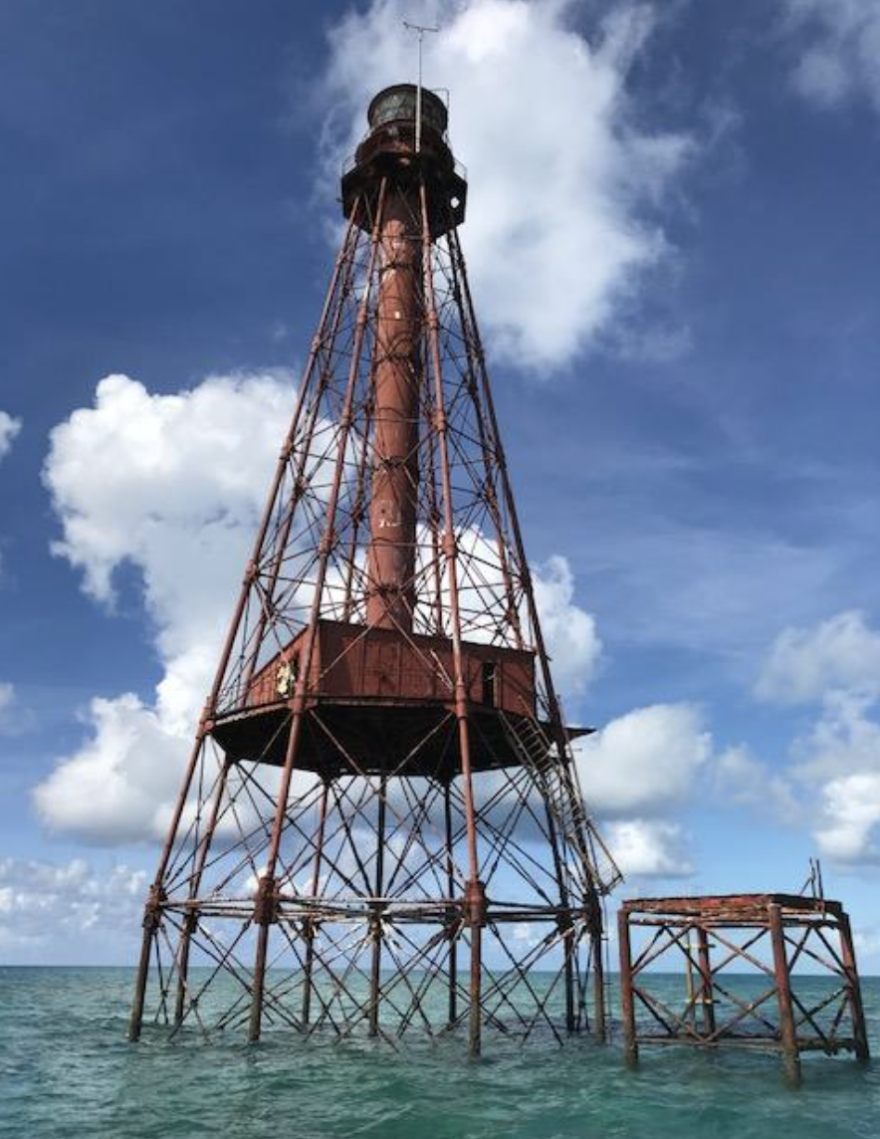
x=380, y=826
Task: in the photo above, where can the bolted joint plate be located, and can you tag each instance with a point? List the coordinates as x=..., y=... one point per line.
x=153, y=908
x=475, y=903
x=266, y=903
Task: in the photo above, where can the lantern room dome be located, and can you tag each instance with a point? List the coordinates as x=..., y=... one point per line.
x=398, y=104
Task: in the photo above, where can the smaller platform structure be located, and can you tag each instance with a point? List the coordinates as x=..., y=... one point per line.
x=739, y=954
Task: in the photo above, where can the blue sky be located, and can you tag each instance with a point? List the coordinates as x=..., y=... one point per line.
x=672, y=239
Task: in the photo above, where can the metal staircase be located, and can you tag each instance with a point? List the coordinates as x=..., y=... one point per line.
x=556, y=778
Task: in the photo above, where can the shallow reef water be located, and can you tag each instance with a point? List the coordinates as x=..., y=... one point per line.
x=66, y=1069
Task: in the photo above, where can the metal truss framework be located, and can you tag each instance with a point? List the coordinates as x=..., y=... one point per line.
x=740, y=929
x=384, y=847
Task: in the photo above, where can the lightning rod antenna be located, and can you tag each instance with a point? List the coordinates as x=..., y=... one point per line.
x=420, y=30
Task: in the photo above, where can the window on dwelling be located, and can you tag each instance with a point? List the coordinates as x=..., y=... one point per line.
x=489, y=678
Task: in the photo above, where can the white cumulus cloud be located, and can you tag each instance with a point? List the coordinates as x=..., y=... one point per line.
x=636, y=773
x=564, y=179
x=119, y=785
x=173, y=485
x=644, y=761
x=64, y=906
x=649, y=848
x=7, y=706
x=140, y=475
x=804, y=664
x=569, y=630
x=9, y=428
x=838, y=45
x=834, y=764
x=743, y=780
x=851, y=815
x=844, y=740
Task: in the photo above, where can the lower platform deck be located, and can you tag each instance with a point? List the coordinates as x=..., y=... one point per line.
x=376, y=736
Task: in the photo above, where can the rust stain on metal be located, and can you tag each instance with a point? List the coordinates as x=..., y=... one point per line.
x=767, y=933
x=383, y=714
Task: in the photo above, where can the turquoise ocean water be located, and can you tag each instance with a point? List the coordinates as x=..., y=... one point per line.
x=67, y=1070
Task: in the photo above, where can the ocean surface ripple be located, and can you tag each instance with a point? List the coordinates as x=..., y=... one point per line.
x=66, y=1069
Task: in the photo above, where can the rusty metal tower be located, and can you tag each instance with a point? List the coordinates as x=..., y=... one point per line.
x=380, y=827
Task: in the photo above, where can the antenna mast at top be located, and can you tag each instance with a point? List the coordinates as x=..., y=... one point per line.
x=420, y=30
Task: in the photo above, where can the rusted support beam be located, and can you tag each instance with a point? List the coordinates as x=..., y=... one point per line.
x=376, y=914
x=854, y=991
x=265, y=915
x=140, y=990
x=735, y=906
x=190, y=922
x=787, y=1029
x=183, y=948
x=452, y=918
x=627, y=1003
x=475, y=917
x=566, y=926
x=707, y=997
x=151, y=923
x=600, y=1013
x=310, y=925
x=473, y=888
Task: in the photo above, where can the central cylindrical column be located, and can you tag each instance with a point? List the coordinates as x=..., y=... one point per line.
x=396, y=374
